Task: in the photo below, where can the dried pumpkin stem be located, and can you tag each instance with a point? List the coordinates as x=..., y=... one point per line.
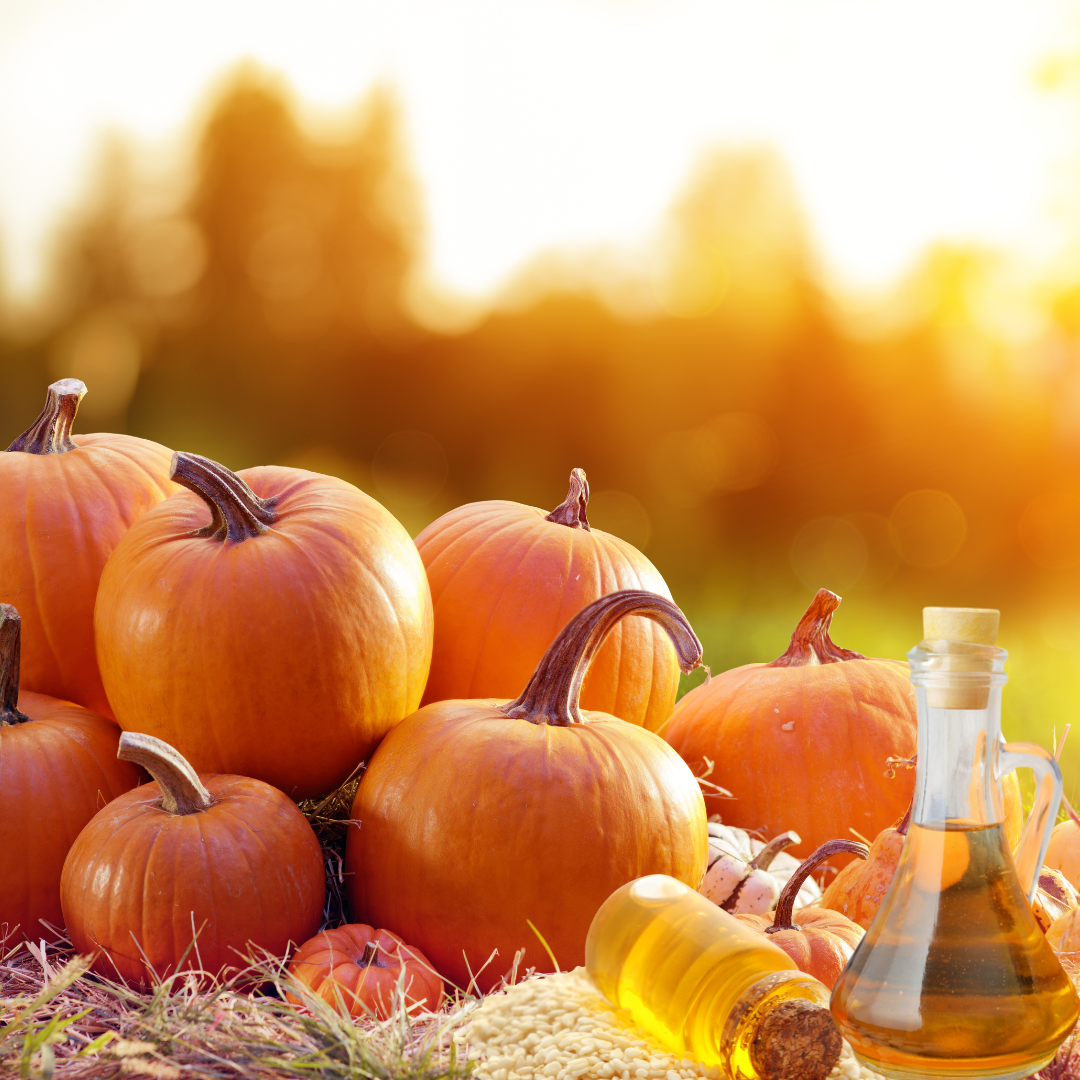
x=182, y=791
x=236, y=512
x=785, y=906
x=571, y=511
x=50, y=433
x=811, y=644
x=10, y=649
x=552, y=694
x=371, y=955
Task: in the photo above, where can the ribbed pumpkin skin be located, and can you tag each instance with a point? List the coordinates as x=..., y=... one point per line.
x=858, y=889
x=821, y=946
x=823, y=776
x=330, y=966
x=56, y=771
x=247, y=869
x=286, y=656
x=61, y=516
x=473, y=823
x=504, y=581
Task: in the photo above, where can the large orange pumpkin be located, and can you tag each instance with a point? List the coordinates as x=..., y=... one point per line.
x=58, y=767
x=225, y=860
x=505, y=578
x=65, y=501
x=480, y=820
x=804, y=742
x=819, y=940
x=276, y=631
x=357, y=968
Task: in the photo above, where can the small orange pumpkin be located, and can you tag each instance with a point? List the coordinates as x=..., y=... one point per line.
x=505, y=578
x=226, y=858
x=58, y=767
x=475, y=819
x=357, y=969
x=65, y=502
x=1063, y=851
x=819, y=940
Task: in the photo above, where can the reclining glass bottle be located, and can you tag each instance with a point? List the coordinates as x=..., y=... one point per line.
x=709, y=986
x=954, y=977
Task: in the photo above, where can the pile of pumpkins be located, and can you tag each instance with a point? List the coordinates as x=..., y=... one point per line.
x=509, y=679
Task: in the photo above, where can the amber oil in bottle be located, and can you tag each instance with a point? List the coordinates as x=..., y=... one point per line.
x=707, y=985
x=959, y=975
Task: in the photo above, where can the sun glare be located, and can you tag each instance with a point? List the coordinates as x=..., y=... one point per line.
x=539, y=125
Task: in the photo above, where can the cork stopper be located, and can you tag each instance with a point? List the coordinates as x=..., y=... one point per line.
x=975, y=625
x=797, y=1040
x=970, y=626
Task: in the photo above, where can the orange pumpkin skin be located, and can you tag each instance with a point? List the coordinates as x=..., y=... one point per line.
x=803, y=747
x=331, y=965
x=305, y=643
x=1063, y=851
x=61, y=516
x=858, y=889
x=56, y=771
x=504, y=581
x=472, y=823
x=247, y=870
x=821, y=946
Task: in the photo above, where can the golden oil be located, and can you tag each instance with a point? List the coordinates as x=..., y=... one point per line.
x=691, y=974
x=954, y=977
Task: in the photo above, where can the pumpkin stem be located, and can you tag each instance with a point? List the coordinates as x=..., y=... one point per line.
x=551, y=696
x=811, y=644
x=905, y=822
x=50, y=433
x=761, y=861
x=236, y=512
x=371, y=955
x=182, y=791
x=571, y=511
x=785, y=906
x=10, y=649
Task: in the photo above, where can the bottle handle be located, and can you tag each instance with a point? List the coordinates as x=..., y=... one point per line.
x=1035, y=839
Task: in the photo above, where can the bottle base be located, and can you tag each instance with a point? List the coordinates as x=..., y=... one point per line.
x=932, y=1069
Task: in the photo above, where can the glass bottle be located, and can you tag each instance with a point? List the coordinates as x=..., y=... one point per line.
x=707, y=985
x=954, y=977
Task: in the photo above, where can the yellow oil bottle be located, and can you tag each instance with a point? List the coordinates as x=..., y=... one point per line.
x=707, y=985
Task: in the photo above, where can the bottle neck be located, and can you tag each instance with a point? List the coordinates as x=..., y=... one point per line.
x=957, y=778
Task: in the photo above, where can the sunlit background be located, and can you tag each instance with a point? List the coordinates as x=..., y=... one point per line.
x=797, y=282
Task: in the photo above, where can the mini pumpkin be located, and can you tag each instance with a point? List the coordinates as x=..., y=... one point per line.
x=1063, y=851
x=505, y=578
x=225, y=861
x=58, y=767
x=1054, y=897
x=742, y=883
x=357, y=969
x=483, y=825
x=65, y=502
x=819, y=940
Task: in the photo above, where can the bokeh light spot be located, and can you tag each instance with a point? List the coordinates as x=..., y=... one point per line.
x=929, y=527
x=829, y=553
x=622, y=515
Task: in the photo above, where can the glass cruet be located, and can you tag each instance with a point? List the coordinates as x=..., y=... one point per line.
x=954, y=977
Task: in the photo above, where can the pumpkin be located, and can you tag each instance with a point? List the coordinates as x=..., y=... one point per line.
x=505, y=578
x=1063, y=851
x=356, y=969
x=804, y=742
x=484, y=825
x=744, y=885
x=819, y=940
x=58, y=767
x=274, y=623
x=858, y=889
x=225, y=861
x=65, y=502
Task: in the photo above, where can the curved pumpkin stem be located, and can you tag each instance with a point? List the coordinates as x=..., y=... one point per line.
x=811, y=644
x=571, y=511
x=785, y=906
x=761, y=861
x=236, y=512
x=10, y=651
x=182, y=791
x=50, y=433
x=551, y=697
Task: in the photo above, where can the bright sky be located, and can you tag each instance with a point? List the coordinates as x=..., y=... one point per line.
x=540, y=124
